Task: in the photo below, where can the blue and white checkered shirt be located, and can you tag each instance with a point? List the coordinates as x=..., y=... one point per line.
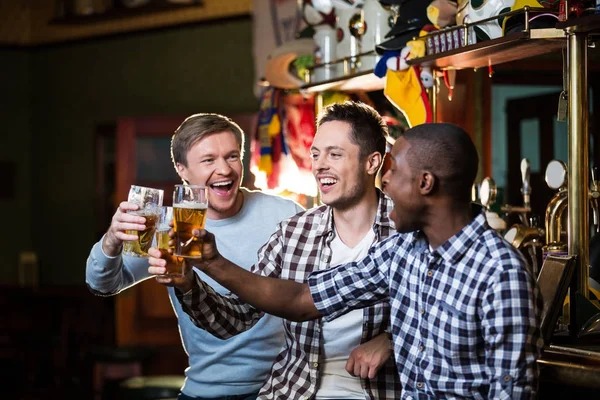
x=465, y=317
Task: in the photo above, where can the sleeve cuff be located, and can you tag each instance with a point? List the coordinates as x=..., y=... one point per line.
x=326, y=297
x=195, y=295
x=107, y=256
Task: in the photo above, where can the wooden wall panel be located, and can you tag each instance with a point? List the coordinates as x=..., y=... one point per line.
x=471, y=110
x=15, y=24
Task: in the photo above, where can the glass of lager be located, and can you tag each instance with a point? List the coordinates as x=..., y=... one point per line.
x=190, y=203
x=174, y=263
x=149, y=200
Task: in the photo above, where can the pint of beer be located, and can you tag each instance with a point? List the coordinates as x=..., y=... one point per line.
x=190, y=203
x=139, y=247
x=174, y=263
x=149, y=201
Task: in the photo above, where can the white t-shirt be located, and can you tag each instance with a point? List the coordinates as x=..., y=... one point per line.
x=343, y=334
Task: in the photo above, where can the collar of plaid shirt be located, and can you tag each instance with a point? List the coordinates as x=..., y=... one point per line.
x=454, y=248
x=382, y=219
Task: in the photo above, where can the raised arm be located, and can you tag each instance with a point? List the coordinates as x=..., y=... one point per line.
x=222, y=316
x=107, y=272
x=283, y=298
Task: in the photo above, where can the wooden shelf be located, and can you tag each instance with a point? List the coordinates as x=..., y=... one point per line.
x=587, y=24
x=512, y=47
x=360, y=81
x=118, y=12
x=515, y=46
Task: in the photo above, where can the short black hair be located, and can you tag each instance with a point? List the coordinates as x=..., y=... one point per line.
x=446, y=151
x=368, y=130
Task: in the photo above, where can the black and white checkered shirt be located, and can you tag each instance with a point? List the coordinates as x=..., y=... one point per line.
x=465, y=317
x=300, y=246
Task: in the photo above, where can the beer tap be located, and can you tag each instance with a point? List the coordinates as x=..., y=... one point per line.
x=487, y=192
x=474, y=192
x=526, y=189
x=487, y=197
x=522, y=211
x=595, y=197
x=526, y=236
x=556, y=178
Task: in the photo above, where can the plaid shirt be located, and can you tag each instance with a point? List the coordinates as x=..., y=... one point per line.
x=300, y=246
x=465, y=317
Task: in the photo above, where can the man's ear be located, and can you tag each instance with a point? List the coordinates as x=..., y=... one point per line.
x=182, y=171
x=427, y=183
x=374, y=161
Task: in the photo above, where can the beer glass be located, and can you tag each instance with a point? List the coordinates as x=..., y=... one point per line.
x=174, y=263
x=190, y=203
x=149, y=201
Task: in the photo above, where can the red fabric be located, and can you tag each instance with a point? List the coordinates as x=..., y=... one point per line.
x=299, y=128
x=425, y=98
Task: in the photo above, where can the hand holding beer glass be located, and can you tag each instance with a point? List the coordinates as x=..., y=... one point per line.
x=149, y=201
x=174, y=264
x=190, y=203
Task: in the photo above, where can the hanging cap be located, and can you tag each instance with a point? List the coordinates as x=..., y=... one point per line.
x=412, y=17
x=516, y=23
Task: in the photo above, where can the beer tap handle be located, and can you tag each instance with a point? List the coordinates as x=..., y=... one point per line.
x=534, y=221
x=526, y=189
x=594, y=196
x=474, y=192
x=595, y=175
x=595, y=215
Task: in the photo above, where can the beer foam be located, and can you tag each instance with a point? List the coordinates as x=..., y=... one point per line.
x=146, y=212
x=191, y=205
